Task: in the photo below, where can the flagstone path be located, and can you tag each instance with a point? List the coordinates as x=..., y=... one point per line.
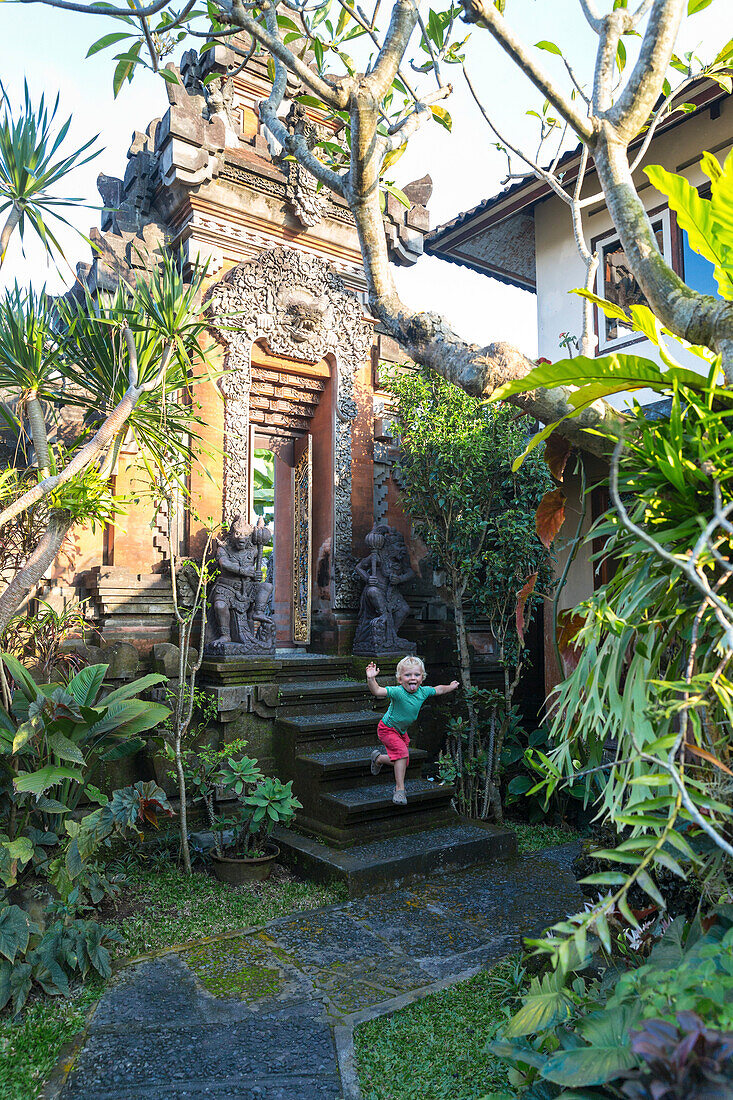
x=268, y=1014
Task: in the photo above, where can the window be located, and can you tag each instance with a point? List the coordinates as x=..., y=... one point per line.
x=617, y=284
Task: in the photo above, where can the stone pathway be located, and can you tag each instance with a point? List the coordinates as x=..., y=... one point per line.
x=268, y=1014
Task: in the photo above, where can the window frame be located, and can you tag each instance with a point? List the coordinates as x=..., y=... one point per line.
x=672, y=252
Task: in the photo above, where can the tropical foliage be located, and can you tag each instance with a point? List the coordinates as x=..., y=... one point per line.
x=31, y=164
x=60, y=950
x=262, y=802
x=636, y=1024
x=477, y=518
x=643, y=721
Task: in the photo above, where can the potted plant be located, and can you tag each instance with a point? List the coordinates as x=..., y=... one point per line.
x=243, y=848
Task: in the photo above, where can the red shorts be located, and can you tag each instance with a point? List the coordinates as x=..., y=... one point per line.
x=396, y=743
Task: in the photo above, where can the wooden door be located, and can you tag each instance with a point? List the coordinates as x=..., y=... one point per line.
x=302, y=536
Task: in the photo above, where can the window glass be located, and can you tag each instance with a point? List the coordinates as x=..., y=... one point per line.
x=697, y=271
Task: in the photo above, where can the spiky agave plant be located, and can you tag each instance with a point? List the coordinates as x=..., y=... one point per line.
x=31, y=165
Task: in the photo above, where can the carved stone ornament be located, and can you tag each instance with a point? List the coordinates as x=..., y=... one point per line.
x=302, y=187
x=300, y=306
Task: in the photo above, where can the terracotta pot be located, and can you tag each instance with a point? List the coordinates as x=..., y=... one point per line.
x=237, y=871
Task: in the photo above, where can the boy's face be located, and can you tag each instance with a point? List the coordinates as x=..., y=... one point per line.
x=411, y=678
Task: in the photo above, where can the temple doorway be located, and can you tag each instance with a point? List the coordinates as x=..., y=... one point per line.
x=291, y=482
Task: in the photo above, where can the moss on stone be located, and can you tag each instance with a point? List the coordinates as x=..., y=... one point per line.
x=235, y=969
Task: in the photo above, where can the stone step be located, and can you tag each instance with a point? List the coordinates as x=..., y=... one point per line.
x=303, y=697
x=310, y=666
x=136, y=607
x=357, y=806
x=324, y=730
x=278, y=667
x=389, y=861
x=351, y=767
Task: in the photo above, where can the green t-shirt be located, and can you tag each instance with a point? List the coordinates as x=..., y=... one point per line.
x=404, y=706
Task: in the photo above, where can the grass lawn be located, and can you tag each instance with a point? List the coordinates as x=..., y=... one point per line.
x=156, y=909
x=167, y=907
x=532, y=837
x=434, y=1049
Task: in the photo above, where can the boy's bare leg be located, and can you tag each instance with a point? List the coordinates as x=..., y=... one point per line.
x=383, y=759
x=400, y=767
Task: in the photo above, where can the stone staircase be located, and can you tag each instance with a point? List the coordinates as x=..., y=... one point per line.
x=349, y=828
x=325, y=730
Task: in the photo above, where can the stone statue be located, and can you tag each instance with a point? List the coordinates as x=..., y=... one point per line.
x=383, y=608
x=239, y=622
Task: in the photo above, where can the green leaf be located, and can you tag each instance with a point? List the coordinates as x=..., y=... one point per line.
x=40, y=781
x=551, y=47
x=74, y=863
x=24, y=734
x=608, y=1054
x=649, y=888
x=23, y=679
x=129, y=716
x=443, y=117
x=695, y=217
x=135, y=687
x=15, y=930
x=86, y=684
x=399, y=195
x=547, y=1004
x=169, y=76
x=694, y=6
x=107, y=40
x=65, y=749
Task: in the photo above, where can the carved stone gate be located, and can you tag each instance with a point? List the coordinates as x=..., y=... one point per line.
x=298, y=306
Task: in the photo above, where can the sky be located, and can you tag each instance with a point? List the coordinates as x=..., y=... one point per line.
x=47, y=47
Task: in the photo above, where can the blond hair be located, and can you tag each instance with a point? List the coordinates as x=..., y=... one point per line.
x=409, y=662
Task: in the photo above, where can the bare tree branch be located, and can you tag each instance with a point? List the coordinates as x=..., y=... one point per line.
x=100, y=9
x=486, y=15
x=399, y=32
x=635, y=104
x=332, y=94
x=592, y=15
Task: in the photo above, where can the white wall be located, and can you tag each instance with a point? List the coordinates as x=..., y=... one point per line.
x=560, y=268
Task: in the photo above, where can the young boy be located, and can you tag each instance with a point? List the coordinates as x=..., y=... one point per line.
x=405, y=701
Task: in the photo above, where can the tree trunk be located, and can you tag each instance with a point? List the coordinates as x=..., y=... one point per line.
x=7, y=232
x=37, y=423
x=464, y=664
x=185, y=852
x=28, y=577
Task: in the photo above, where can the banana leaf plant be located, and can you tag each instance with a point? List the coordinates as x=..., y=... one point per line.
x=53, y=742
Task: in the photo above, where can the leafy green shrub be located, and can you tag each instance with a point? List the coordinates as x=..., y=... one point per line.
x=53, y=740
x=50, y=959
x=263, y=802
x=477, y=519
x=70, y=947
x=682, y=896
x=576, y=1031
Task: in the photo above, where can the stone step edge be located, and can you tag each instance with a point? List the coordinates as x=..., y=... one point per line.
x=305, y=725
x=416, y=800
x=310, y=759
x=324, y=862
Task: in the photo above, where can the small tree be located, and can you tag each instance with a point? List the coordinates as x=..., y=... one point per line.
x=476, y=517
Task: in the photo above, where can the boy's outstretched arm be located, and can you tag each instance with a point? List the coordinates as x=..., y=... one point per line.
x=445, y=689
x=371, y=676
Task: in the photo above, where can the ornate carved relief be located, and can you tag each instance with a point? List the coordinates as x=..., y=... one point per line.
x=280, y=189
x=302, y=190
x=302, y=517
x=301, y=307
